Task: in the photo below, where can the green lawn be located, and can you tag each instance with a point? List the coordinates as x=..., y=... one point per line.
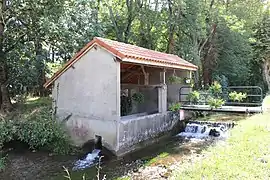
x=246, y=154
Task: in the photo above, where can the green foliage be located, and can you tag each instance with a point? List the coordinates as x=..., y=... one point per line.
x=234, y=56
x=8, y=130
x=37, y=129
x=45, y=132
x=138, y=97
x=215, y=89
x=260, y=69
x=239, y=97
x=175, y=79
x=175, y=107
x=194, y=96
x=215, y=102
x=39, y=37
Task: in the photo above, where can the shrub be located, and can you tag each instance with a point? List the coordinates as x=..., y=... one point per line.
x=38, y=131
x=7, y=131
x=215, y=89
x=194, y=96
x=239, y=97
x=175, y=107
x=215, y=102
x=42, y=131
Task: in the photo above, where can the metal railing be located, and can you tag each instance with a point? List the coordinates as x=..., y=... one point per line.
x=254, y=95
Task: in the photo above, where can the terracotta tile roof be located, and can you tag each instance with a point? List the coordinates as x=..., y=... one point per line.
x=128, y=53
x=132, y=51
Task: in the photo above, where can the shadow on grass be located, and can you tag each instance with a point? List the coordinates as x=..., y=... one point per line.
x=30, y=109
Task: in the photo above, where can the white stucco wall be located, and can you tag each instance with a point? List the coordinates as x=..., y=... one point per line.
x=90, y=93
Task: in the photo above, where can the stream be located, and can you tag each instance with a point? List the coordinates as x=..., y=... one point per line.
x=23, y=164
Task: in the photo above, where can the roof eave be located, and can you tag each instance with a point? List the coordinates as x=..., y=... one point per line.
x=161, y=64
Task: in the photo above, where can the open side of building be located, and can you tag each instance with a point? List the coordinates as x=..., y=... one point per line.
x=89, y=90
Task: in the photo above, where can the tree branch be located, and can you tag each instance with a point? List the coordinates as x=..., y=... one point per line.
x=207, y=39
x=119, y=37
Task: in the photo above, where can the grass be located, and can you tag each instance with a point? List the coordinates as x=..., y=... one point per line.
x=246, y=154
x=157, y=158
x=29, y=109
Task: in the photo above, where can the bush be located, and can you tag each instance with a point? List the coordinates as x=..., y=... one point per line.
x=194, y=97
x=175, y=107
x=7, y=131
x=44, y=133
x=215, y=89
x=239, y=97
x=38, y=131
x=215, y=102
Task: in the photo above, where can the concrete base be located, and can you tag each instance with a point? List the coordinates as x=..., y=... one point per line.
x=141, y=131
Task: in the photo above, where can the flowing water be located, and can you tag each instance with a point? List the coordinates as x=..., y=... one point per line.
x=26, y=165
x=199, y=129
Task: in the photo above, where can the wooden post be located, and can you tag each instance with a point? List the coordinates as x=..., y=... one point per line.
x=162, y=93
x=190, y=75
x=146, y=76
x=163, y=76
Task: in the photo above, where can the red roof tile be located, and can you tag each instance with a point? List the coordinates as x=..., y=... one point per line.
x=125, y=52
x=132, y=51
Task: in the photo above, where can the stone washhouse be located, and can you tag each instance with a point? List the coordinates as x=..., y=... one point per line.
x=87, y=93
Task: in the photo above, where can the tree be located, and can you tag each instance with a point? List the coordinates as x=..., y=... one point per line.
x=262, y=47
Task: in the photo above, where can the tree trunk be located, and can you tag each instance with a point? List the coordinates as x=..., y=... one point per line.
x=40, y=66
x=266, y=73
x=170, y=45
x=6, y=105
x=119, y=34
x=210, y=56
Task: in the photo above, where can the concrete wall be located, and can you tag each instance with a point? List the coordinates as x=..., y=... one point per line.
x=90, y=94
x=137, y=129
